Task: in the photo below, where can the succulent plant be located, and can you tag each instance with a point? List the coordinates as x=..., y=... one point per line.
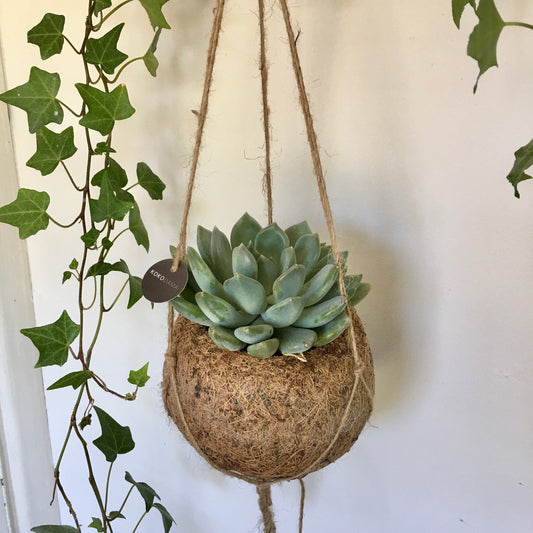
x=267, y=290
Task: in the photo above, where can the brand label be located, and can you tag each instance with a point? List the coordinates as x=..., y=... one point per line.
x=160, y=284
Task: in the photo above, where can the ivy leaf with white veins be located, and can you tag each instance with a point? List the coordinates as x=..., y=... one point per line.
x=108, y=204
x=150, y=182
x=38, y=98
x=104, y=51
x=53, y=340
x=27, y=212
x=484, y=37
x=153, y=9
x=51, y=149
x=139, y=377
x=150, y=61
x=138, y=228
x=48, y=35
x=104, y=108
x=115, y=439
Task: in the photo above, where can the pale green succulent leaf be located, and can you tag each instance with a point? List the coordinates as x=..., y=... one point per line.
x=288, y=258
x=333, y=329
x=190, y=311
x=203, y=275
x=225, y=338
x=267, y=272
x=270, y=242
x=325, y=249
x=296, y=231
x=246, y=293
x=321, y=313
x=351, y=282
x=289, y=284
x=243, y=262
x=244, y=230
x=307, y=250
x=362, y=290
x=319, y=285
x=295, y=340
x=253, y=334
x=264, y=349
x=203, y=241
x=221, y=255
x=221, y=312
x=284, y=313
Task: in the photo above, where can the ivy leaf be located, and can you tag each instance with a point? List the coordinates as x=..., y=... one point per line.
x=523, y=160
x=153, y=10
x=150, y=182
x=150, y=61
x=74, y=380
x=148, y=493
x=66, y=276
x=90, y=238
x=27, y=212
x=53, y=340
x=115, y=439
x=104, y=108
x=97, y=524
x=54, y=529
x=484, y=37
x=138, y=228
x=86, y=421
x=136, y=292
x=38, y=98
x=100, y=5
x=139, y=377
x=102, y=268
x=103, y=148
x=458, y=6
x=48, y=35
x=113, y=515
x=74, y=264
x=108, y=204
x=116, y=174
x=104, y=51
x=51, y=149
x=166, y=516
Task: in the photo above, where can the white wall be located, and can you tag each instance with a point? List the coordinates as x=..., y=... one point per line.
x=416, y=171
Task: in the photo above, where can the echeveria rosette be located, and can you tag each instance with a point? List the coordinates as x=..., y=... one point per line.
x=266, y=289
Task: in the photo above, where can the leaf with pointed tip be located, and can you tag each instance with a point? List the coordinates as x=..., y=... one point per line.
x=458, y=6
x=97, y=524
x=27, y=212
x=203, y=241
x=104, y=108
x=38, y=98
x=100, y=5
x=150, y=61
x=147, y=493
x=246, y=293
x=138, y=228
x=108, y=205
x=102, y=268
x=165, y=515
x=90, y=238
x=66, y=276
x=484, y=37
x=48, y=35
x=221, y=255
x=153, y=10
x=244, y=230
x=74, y=380
x=297, y=230
x=523, y=161
x=116, y=174
x=243, y=262
x=150, y=182
x=51, y=149
x=103, y=148
x=271, y=241
x=136, y=292
x=53, y=340
x=139, y=377
x=115, y=439
x=104, y=51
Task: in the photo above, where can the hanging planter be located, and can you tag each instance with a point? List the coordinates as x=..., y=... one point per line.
x=260, y=374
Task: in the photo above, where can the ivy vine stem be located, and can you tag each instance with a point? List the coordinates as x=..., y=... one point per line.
x=519, y=24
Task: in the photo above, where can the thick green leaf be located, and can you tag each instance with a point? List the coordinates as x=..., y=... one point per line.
x=104, y=108
x=97, y=524
x=271, y=241
x=138, y=228
x=190, y=310
x=51, y=149
x=108, y=204
x=153, y=9
x=90, y=238
x=523, y=161
x=48, y=35
x=147, y=493
x=115, y=439
x=297, y=230
x=150, y=61
x=103, y=268
x=54, y=529
x=100, y=5
x=458, y=6
x=243, y=262
x=225, y=338
x=221, y=312
x=244, y=230
x=104, y=51
x=202, y=274
x=150, y=182
x=139, y=377
x=203, y=241
x=136, y=292
x=165, y=515
x=74, y=380
x=38, y=98
x=221, y=255
x=484, y=37
x=53, y=340
x=246, y=293
x=27, y=212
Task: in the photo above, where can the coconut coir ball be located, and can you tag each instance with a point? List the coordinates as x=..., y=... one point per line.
x=267, y=420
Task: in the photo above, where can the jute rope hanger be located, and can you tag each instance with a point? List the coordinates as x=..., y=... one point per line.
x=263, y=488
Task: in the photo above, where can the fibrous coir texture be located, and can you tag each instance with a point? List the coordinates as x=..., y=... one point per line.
x=268, y=420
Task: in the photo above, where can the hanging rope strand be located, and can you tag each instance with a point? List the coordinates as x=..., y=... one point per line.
x=263, y=67
x=202, y=115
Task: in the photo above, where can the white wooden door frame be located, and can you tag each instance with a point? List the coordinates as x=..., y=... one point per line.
x=25, y=453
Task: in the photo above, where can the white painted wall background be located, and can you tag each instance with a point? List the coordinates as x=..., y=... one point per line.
x=415, y=166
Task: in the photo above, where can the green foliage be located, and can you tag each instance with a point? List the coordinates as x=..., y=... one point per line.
x=48, y=35
x=104, y=52
x=115, y=439
x=27, y=212
x=52, y=148
x=268, y=290
x=150, y=182
x=74, y=380
x=139, y=377
x=54, y=529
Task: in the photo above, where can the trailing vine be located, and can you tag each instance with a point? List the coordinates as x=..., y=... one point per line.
x=107, y=210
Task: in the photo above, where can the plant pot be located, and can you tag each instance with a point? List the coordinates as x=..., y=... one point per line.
x=266, y=420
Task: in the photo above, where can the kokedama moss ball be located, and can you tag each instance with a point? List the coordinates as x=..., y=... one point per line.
x=266, y=419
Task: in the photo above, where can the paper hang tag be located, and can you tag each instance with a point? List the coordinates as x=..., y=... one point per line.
x=160, y=284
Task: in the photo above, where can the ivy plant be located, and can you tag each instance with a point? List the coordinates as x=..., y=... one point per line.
x=107, y=210
x=483, y=47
